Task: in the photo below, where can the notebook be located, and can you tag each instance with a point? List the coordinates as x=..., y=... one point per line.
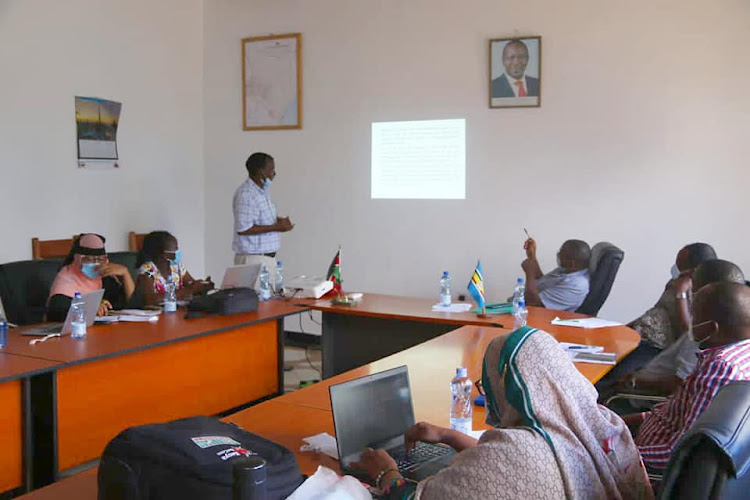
x=92, y=301
x=376, y=411
x=240, y=276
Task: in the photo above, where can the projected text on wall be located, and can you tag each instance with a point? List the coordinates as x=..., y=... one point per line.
x=419, y=159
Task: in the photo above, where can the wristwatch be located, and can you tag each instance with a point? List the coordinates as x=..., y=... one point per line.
x=682, y=295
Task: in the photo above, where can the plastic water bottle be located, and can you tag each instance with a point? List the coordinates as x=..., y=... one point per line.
x=78, y=317
x=264, y=284
x=170, y=298
x=461, y=406
x=518, y=294
x=3, y=331
x=445, y=289
x=278, y=279
x=520, y=315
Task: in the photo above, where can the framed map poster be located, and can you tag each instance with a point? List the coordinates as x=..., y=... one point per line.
x=272, y=82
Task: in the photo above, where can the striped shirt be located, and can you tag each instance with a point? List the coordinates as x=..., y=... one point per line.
x=252, y=206
x=668, y=421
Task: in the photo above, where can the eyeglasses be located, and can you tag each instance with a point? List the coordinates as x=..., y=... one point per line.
x=94, y=259
x=479, y=386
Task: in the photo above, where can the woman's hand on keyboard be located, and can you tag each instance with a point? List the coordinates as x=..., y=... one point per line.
x=425, y=432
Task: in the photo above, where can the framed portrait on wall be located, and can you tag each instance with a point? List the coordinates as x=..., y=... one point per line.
x=272, y=82
x=516, y=72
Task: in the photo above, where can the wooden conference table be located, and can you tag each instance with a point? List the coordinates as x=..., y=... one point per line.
x=289, y=418
x=81, y=393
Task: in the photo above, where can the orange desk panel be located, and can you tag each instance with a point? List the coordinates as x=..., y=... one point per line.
x=204, y=375
x=11, y=427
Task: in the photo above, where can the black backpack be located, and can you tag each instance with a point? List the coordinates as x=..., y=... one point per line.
x=189, y=458
x=229, y=301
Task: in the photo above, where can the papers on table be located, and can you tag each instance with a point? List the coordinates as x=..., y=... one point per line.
x=322, y=443
x=581, y=353
x=131, y=315
x=585, y=322
x=456, y=307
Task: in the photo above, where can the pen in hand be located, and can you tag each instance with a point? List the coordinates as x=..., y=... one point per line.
x=527, y=233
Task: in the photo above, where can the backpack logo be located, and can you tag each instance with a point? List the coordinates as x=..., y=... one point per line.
x=209, y=441
x=234, y=451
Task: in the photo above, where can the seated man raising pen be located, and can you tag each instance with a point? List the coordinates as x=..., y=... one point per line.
x=566, y=287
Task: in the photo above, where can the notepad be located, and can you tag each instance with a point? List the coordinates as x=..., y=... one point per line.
x=455, y=307
x=585, y=322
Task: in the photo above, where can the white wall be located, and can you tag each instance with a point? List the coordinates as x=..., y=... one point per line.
x=641, y=138
x=145, y=54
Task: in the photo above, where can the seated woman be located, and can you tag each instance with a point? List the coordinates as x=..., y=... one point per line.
x=86, y=269
x=551, y=439
x=159, y=262
x=665, y=322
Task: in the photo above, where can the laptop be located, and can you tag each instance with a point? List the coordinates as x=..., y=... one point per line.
x=92, y=301
x=376, y=411
x=240, y=276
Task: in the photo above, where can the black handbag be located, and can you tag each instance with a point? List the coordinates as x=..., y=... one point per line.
x=229, y=301
x=189, y=458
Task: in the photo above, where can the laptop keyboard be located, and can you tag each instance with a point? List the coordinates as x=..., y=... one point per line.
x=421, y=453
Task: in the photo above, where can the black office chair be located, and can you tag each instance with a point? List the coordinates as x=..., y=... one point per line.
x=605, y=261
x=712, y=458
x=24, y=288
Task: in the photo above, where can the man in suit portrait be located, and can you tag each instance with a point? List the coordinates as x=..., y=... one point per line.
x=514, y=82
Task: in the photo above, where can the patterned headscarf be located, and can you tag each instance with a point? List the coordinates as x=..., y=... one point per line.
x=553, y=440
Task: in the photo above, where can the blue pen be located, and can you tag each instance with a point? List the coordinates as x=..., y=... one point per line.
x=578, y=347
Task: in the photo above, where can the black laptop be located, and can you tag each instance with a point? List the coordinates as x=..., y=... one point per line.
x=376, y=411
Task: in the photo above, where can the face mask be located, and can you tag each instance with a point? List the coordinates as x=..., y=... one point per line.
x=691, y=334
x=177, y=257
x=675, y=272
x=90, y=269
x=266, y=183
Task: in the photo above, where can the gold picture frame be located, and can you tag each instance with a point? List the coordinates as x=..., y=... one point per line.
x=272, y=82
x=515, y=68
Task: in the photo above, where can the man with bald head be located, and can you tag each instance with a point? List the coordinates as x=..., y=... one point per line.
x=514, y=82
x=566, y=287
x=721, y=328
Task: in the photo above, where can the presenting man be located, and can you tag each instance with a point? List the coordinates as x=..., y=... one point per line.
x=566, y=287
x=256, y=227
x=514, y=82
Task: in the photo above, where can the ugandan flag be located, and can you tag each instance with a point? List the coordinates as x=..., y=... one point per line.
x=476, y=286
x=334, y=272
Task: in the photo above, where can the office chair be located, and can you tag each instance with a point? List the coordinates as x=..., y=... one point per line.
x=135, y=241
x=50, y=249
x=711, y=460
x=605, y=261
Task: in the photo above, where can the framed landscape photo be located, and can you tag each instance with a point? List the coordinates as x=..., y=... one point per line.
x=272, y=82
x=516, y=72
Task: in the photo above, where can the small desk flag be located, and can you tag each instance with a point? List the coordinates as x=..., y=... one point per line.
x=334, y=272
x=476, y=286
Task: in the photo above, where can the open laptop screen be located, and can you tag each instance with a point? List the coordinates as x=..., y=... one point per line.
x=371, y=411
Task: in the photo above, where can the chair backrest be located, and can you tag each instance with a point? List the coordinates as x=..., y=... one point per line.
x=50, y=249
x=712, y=458
x=24, y=288
x=135, y=241
x=127, y=259
x=605, y=262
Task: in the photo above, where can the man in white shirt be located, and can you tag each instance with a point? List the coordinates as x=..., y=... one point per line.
x=257, y=228
x=514, y=83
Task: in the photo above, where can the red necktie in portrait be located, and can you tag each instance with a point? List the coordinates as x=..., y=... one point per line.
x=521, y=89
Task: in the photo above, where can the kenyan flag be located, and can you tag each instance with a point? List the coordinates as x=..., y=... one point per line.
x=334, y=272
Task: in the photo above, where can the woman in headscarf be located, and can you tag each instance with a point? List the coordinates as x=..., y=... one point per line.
x=86, y=269
x=551, y=439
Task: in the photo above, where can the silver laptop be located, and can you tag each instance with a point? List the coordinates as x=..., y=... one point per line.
x=240, y=276
x=92, y=301
x=375, y=411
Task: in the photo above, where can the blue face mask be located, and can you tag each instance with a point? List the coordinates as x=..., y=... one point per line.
x=90, y=269
x=267, y=183
x=177, y=257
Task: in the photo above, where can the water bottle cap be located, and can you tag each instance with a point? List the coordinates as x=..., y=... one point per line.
x=279, y=264
x=520, y=280
x=521, y=303
x=445, y=273
x=461, y=371
x=77, y=295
